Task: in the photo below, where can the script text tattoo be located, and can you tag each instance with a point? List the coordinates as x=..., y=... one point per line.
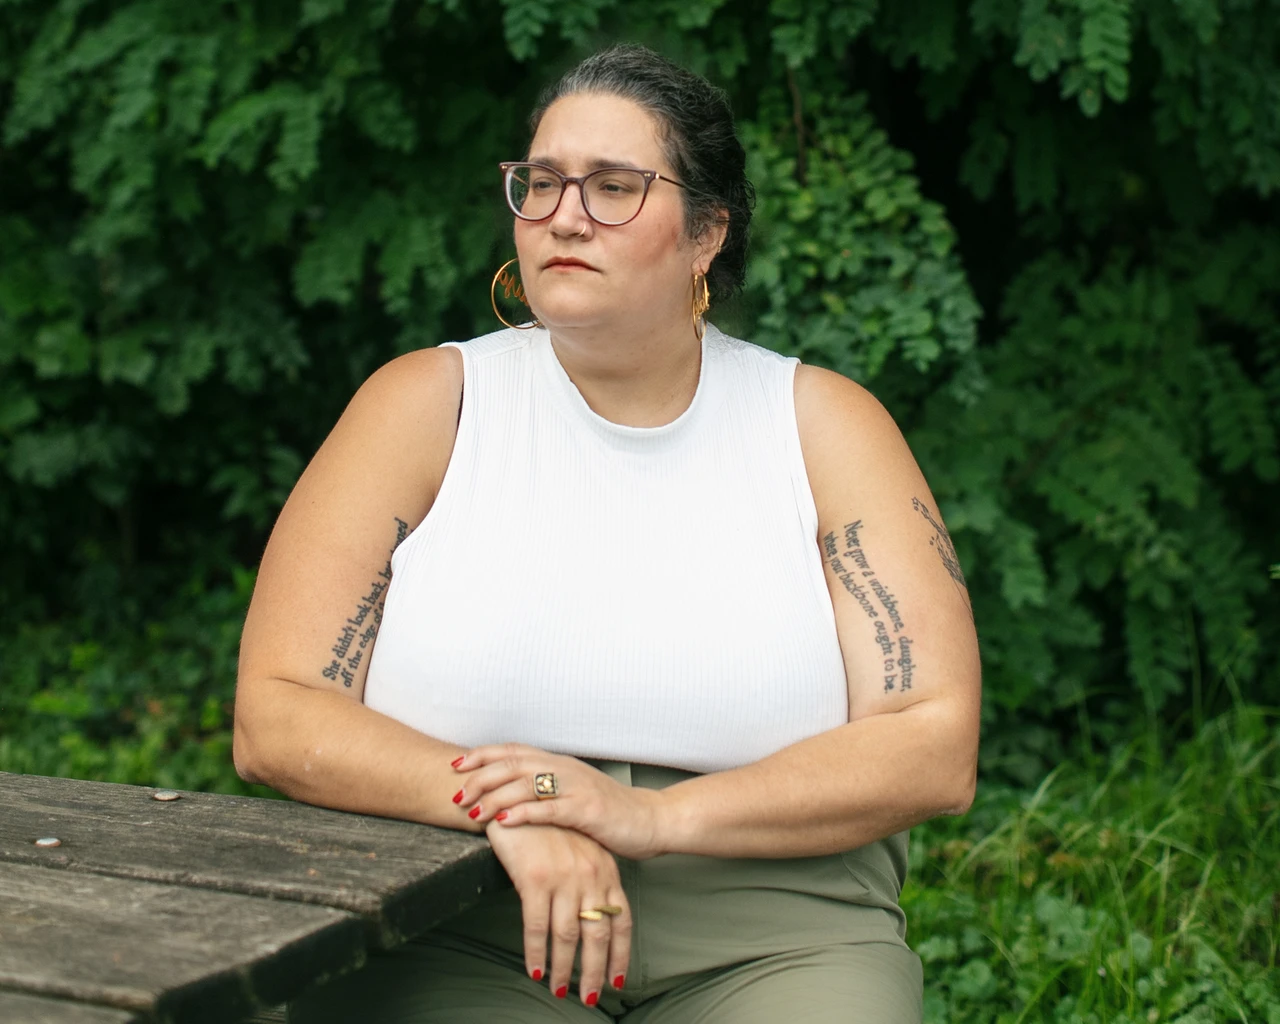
x=360, y=629
x=853, y=569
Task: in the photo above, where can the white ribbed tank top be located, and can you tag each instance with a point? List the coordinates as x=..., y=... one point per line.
x=648, y=594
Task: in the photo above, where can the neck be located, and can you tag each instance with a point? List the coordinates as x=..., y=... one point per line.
x=638, y=378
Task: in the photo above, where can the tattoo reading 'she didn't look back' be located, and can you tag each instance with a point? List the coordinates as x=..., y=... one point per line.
x=357, y=633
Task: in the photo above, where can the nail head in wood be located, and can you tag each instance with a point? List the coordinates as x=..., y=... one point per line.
x=49, y=841
x=166, y=795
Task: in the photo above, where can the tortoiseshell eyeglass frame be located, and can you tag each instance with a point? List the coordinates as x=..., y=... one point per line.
x=510, y=167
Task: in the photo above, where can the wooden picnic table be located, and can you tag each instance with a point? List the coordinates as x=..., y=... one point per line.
x=205, y=908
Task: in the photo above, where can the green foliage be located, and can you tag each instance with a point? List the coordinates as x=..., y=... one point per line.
x=219, y=218
x=149, y=705
x=1144, y=559
x=1143, y=893
x=855, y=266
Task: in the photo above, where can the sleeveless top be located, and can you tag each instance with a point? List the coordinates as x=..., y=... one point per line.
x=644, y=594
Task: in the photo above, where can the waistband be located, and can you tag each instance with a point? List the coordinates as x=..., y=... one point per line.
x=647, y=776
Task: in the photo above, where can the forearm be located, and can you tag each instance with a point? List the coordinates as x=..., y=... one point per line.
x=835, y=791
x=323, y=748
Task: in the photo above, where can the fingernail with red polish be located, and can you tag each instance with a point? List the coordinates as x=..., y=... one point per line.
x=474, y=812
x=562, y=991
x=617, y=982
x=459, y=760
x=500, y=816
x=537, y=974
x=593, y=998
x=457, y=797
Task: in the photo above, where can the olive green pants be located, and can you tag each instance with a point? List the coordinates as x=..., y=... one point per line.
x=808, y=940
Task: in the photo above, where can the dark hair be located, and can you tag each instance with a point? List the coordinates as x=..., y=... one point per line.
x=696, y=130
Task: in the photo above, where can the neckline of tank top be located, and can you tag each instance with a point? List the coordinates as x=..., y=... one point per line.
x=620, y=435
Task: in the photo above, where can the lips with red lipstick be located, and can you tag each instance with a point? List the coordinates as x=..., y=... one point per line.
x=567, y=263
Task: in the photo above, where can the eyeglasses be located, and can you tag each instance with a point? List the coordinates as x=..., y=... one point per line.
x=611, y=195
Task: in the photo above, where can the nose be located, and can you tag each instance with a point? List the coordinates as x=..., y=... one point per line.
x=571, y=217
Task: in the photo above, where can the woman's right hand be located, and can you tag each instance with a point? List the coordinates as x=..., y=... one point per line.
x=557, y=873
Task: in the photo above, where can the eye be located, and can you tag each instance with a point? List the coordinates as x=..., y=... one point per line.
x=613, y=187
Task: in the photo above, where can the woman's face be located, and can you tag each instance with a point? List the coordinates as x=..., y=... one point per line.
x=637, y=273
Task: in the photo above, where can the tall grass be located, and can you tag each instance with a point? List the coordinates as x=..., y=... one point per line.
x=1148, y=891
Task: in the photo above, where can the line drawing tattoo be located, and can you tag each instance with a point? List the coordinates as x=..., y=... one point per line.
x=361, y=627
x=941, y=542
x=853, y=569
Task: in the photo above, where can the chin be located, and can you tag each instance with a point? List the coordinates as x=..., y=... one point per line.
x=562, y=313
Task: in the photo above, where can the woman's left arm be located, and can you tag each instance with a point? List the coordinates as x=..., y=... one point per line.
x=909, y=751
x=906, y=629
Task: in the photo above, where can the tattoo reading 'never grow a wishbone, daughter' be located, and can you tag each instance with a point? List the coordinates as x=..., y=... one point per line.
x=853, y=569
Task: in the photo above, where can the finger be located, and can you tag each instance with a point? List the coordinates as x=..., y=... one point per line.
x=565, y=932
x=484, y=781
x=620, y=941
x=476, y=758
x=503, y=798
x=536, y=911
x=480, y=756
x=596, y=936
x=557, y=811
x=516, y=767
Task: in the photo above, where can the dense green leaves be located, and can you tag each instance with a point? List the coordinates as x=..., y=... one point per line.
x=855, y=265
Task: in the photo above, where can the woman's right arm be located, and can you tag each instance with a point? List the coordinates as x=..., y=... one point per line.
x=300, y=724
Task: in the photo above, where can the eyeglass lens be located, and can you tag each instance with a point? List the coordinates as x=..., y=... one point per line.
x=611, y=196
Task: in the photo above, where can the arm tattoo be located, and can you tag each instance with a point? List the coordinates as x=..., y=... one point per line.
x=361, y=627
x=853, y=569
x=941, y=542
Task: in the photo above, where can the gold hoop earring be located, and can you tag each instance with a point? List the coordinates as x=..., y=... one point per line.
x=701, y=303
x=510, y=287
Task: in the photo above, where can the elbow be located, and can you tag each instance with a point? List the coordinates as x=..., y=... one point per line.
x=960, y=796
x=244, y=755
x=950, y=765
x=241, y=757
x=962, y=803
x=259, y=723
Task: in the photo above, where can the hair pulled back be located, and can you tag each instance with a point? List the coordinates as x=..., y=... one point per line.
x=696, y=131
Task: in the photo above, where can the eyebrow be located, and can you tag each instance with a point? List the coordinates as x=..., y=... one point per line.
x=593, y=165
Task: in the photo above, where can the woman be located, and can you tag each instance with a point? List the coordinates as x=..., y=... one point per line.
x=673, y=620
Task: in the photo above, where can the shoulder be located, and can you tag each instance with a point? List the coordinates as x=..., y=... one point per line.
x=400, y=426
x=430, y=380
x=854, y=453
x=418, y=391
x=425, y=374
x=839, y=418
x=745, y=352
x=831, y=411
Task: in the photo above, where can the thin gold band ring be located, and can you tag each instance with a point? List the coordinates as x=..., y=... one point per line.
x=597, y=914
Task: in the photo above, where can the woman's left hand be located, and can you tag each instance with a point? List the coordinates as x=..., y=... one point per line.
x=624, y=819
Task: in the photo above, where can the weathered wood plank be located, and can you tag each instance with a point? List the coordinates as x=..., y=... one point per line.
x=19, y=1008
x=172, y=952
x=402, y=877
